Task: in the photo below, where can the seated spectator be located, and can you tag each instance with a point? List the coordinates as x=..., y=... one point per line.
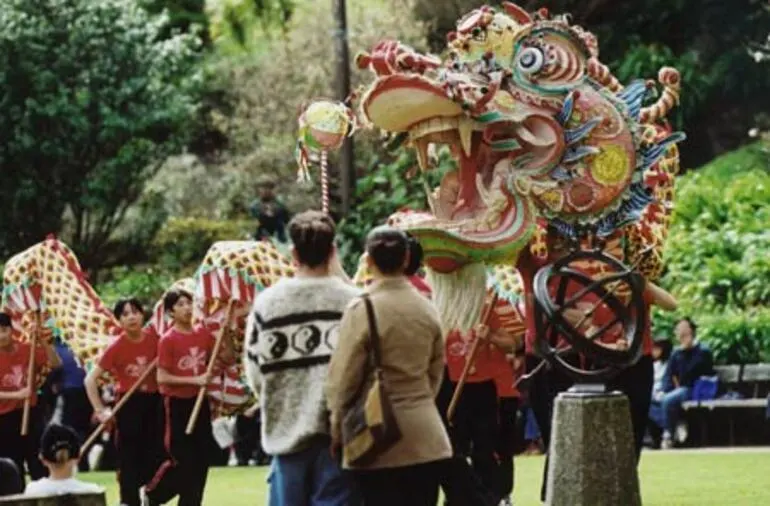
x=10, y=478
x=688, y=363
x=661, y=353
x=60, y=452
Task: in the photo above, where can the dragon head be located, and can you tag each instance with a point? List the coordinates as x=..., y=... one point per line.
x=540, y=130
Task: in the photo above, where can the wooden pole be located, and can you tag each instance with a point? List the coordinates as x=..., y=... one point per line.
x=209, y=369
x=120, y=404
x=470, y=358
x=346, y=169
x=30, y=378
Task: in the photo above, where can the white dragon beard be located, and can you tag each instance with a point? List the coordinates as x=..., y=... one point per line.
x=459, y=296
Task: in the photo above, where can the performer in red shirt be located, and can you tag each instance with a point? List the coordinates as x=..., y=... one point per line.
x=183, y=354
x=139, y=431
x=475, y=428
x=14, y=363
x=507, y=369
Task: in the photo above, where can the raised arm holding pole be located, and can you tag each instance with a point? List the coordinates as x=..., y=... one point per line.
x=210, y=367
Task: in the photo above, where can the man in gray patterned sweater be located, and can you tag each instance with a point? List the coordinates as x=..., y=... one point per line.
x=291, y=334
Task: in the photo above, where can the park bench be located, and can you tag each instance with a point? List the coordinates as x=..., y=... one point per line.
x=89, y=499
x=752, y=382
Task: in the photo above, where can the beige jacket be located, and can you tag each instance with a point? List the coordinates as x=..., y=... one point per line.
x=412, y=362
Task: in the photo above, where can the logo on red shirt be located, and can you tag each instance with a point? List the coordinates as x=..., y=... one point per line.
x=195, y=360
x=15, y=379
x=136, y=369
x=458, y=348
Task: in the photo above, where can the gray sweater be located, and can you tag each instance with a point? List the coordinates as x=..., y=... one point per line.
x=291, y=333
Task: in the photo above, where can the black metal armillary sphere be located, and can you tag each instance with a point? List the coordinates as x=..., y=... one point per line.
x=618, y=292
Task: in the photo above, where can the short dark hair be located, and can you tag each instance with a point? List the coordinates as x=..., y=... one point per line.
x=666, y=347
x=59, y=444
x=173, y=296
x=11, y=482
x=690, y=322
x=122, y=304
x=312, y=233
x=388, y=247
x=415, y=255
x=5, y=320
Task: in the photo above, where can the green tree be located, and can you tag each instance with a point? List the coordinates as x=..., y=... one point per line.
x=186, y=16
x=245, y=24
x=92, y=99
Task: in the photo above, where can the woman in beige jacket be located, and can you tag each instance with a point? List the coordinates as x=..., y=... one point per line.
x=408, y=473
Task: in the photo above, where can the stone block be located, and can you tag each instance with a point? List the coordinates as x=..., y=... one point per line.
x=592, y=458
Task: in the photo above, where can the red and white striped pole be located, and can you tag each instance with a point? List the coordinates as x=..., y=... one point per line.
x=324, y=181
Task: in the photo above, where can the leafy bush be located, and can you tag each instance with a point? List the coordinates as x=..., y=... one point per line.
x=147, y=283
x=717, y=254
x=183, y=242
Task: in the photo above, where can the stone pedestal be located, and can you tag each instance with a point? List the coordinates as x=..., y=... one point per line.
x=592, y=459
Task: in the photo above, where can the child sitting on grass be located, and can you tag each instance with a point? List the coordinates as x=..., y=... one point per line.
x=60, y=452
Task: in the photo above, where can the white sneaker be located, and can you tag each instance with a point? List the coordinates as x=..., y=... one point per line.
x=144, y=499
x=681, y=432
x=665, y=441
x=95, y=457
x=506, y=501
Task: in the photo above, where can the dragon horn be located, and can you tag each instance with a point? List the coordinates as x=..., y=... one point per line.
x=517, y=13
x=600, y=73
x=672, y=84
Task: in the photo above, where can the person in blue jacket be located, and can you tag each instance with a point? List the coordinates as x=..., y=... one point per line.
x=688, y=363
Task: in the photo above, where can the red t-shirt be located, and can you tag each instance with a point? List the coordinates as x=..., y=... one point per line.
x=126, y=361
x=13, y=373
x=603, y=315
x=184, y=355
x=457, y=348
x=505, y=376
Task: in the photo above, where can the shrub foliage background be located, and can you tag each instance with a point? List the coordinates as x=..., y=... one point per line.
x=718, y=254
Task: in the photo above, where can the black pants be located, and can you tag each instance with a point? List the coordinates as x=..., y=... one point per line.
x=76, y=413
x=635, y=382
x=506, y=444
x=474, y=430
x=139, y=444
x=185, y=473
x=247, y=438
x=23, y=449
x=400, y=486
x=461, y=484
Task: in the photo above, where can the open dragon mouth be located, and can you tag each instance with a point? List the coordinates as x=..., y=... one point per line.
x=475, y=217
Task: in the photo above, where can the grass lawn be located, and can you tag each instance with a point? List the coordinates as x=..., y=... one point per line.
x=668, y=479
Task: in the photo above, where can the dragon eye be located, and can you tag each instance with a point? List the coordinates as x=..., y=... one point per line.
x=530, y=60
x=478, y=34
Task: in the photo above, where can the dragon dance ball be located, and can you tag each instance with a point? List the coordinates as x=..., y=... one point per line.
x=323, y=126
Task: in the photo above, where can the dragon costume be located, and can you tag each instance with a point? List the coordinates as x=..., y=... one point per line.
x=553, y=153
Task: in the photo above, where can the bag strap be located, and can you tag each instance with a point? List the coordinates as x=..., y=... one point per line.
x=374, y=334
